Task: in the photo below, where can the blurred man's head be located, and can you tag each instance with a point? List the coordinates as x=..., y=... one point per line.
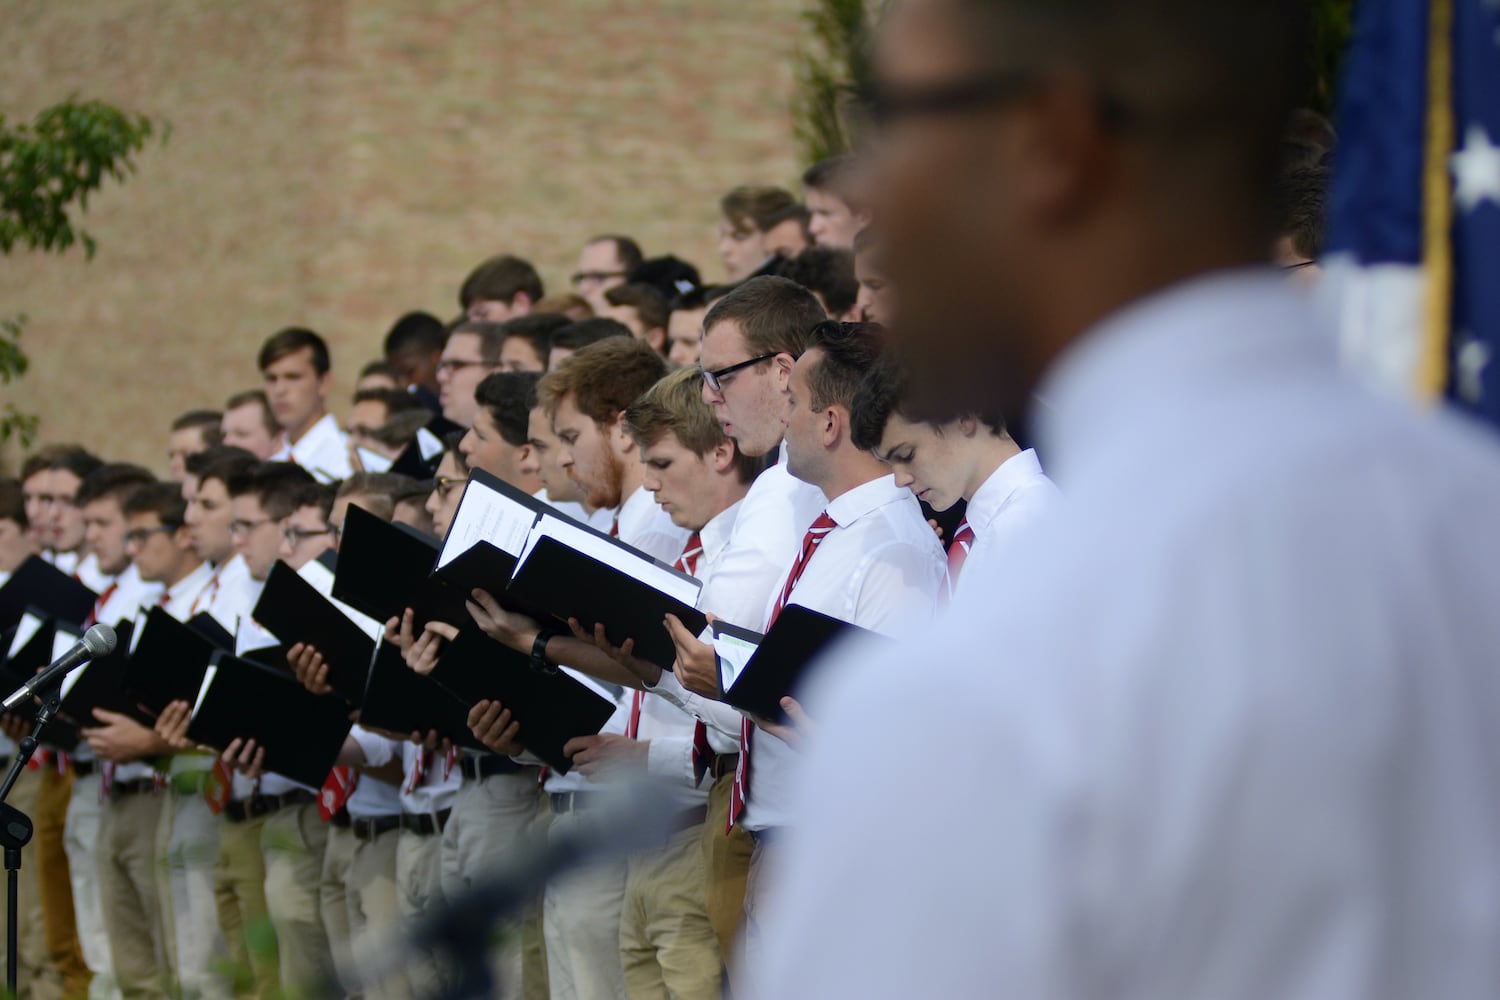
x=249, y=424
x=828, y=272
x=642, y=309
x=208, y=516
x=574, y=337
x=16, y=544
x=1037, y=166
x=831, y=189
x=447, y=487
x=604, y=263
x=295, y=365
x=192, y=432
x=751, y=339
x=412, y=350
x=498, y=442
x=155, y=538
x=1302, y=203
x=875, y=298
x=373, y=410
x=50, y=481
x=747, y=215
x=820, y=446
x=305, y=534
x=260, y=499
x=499, y=289
x=101, y=499
x=472, y=352
x=528, y=341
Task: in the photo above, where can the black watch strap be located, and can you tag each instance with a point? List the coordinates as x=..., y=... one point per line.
x=539, y=651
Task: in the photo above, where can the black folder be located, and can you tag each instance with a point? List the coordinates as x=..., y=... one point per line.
x=781, y=657
x=550, y=706
x=381, y=565
x=301, y=732
x=37, y=582
x=569, y=584
x=413, y=462
x=400, y=700
x=168, y=662
x=212, y=629
x=293, y=611
x=22, y=663
x=100, y=683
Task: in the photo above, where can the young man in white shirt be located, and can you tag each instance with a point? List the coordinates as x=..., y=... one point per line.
x=100, y=499
x=140, y=911
x=249, y=424
x=969, y=457
x=295, y=365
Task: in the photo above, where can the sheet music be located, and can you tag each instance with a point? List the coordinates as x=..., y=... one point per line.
x=490, y=516
x=733, y=654
x=26, y=630
x=636, y=566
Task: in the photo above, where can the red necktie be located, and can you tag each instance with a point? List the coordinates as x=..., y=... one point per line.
x=205, y=598
x=958, y=553
x=692, y=552
x=336, y=790
x=109, y=592
x=815, y=535
x=614, y=527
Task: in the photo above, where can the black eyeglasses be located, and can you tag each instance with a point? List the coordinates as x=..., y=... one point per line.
x=715, y=379
x=296, y=536
x=138, y=536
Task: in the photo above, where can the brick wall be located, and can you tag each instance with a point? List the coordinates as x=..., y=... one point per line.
x=334, y=163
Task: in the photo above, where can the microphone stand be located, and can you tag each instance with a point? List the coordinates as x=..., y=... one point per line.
x=15, y=829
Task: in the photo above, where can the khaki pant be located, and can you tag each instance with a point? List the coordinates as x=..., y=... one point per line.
x=189, y=851
x=37, y=978
x=80, y=837
x=333, y=901
x=727, y=862
x=129, y=890
x=374, y=913
x=419, y=888
x=240, y=899
x=581, y=923
x=56, y=881
x=490, y=818
x=293, y=841
x=751, y=954
x=667, y=945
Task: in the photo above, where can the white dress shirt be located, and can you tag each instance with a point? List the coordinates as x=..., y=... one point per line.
x=65, y=561
x=182, y=595
x=129, y=595
x=881, y=569
x=1235, y=708
x=1007, y=507
x=577, y=511
x=228, y=594
x=434, y=793
x=322, y=451
x=90, y=575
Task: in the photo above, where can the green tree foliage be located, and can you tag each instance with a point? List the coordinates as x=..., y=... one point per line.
x=834, y=57
x=48, y=169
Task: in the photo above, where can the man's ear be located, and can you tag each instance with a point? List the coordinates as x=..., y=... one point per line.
x=619, y=436
x=835, y=425
x=722, y=456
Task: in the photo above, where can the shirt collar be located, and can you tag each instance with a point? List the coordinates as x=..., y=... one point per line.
x=326, y=429
x=1194, y=336
x=191, y=584
x=715, y=534
x=993, y=494
x=865, y=498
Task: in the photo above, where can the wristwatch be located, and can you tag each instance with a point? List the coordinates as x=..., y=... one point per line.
x=539, y=652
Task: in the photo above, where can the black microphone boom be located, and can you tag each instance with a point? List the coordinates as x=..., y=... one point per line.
x=97, y=641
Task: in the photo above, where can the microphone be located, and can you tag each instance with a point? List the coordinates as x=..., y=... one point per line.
x=97, y=641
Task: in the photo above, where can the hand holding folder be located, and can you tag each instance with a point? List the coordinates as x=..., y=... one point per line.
x=295, y=612
x=756, y=671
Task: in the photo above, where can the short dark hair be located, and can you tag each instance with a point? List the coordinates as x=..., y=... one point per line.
x=291, y=340
x=491, y=337
x=221, y=462
x=72, y=458
x=314, y=494
x=276, y=485
x=258, y=398
x=395, y=400
x=645, y=300
x=626, y=249
x=836, y=175
x=400, y=429
x=1302, y=208
x=701, y=298
x=577, y=336
x=758, y=206
x=13, y=502
x=500, y=279
x=603, y=378
x=162, y=499
x=506, y=397
x=379, y=487
x=416, y=331
x=209, y=420
x=850, y=352
x=886, y=391
x=669, y=275
x=827, y=272
x=116, y=480
x=378, y=367
x=537, y=330
x=775, y=314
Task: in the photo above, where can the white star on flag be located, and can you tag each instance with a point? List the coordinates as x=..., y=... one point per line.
x=1476, y=168
x=1471, y=361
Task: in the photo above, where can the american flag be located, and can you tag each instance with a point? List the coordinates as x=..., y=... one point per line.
x=1414, y=241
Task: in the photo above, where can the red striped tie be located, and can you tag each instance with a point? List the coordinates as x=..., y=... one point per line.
x=93, y=618
x=692, y=553
x=815, y=535
x=958, y=553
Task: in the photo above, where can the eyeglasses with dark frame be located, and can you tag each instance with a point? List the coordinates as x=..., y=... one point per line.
x=138, y=536
x=296, y=536
x=443, y=484
x=715, y=379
